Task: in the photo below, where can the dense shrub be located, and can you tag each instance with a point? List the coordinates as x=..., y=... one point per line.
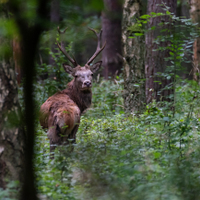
x=151, y=156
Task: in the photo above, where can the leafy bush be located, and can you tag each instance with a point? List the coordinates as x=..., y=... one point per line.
x=151, y=156
x=55, y=177
x=154, y=155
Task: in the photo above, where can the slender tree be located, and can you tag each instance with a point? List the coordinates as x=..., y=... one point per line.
x=133, y=54
x=155, y=63
x=195, y=15
x=55, y=19
x=30, y=34
x=17, y=51
x=111, y=25
x=55, y=11
x=183, y=10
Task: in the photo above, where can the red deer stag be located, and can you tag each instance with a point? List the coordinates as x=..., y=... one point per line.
x=61, y=113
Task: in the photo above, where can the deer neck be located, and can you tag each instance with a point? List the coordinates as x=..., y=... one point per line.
x=81, y=98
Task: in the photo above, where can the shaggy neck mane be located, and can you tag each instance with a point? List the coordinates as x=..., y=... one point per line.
x=81, y=98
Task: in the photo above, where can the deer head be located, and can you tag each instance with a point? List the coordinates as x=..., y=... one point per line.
x=83, y=75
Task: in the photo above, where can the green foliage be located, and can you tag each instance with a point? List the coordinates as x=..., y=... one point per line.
x=77, y=16
x=176, y=36
x=11, y=192
x=151, y=156
x=107, y=98
x=57, y=76
x=54, y=176
x=154, y=155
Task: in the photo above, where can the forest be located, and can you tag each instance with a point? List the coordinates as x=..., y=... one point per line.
x=136, y=136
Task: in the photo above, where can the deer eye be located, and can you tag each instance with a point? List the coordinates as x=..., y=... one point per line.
x=76, y=76
x=91, y=74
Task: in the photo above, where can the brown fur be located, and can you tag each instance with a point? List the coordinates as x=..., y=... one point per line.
x=61, y=113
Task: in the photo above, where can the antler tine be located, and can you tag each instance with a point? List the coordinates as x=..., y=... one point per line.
x=99, y=48
x=73, y=61
x=61, y=32
x=95, y=31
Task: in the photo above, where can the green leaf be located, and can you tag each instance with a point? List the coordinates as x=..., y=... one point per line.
x=138, y=34
x=157, y=155
x=145, y=17
x=166, y=119
x=153, y=13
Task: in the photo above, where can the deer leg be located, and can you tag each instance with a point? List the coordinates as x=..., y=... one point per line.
x=72, y=138
x=54, y=137
x=73, y=134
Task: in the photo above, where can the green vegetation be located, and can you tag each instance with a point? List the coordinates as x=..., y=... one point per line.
x=151, y=156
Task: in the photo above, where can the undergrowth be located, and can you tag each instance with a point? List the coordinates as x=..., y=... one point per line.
x=151, y=156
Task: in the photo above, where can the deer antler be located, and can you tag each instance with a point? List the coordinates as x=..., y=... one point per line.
x=99, y=48
x=72, y=60
x=61, y=32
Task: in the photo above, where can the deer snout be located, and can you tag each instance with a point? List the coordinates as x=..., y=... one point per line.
x=87, y=83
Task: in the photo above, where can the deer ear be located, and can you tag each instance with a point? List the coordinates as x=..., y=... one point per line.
x=68, y=69
x=95, y=67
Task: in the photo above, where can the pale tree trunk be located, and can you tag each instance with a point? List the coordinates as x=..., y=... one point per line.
x=155, y=60
x=11, y=136
x=195, y=15
x=133, y=54
x=111, y=25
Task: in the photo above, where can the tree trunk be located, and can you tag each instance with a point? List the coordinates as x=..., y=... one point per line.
x=11, y=136
x=195, y=15
x=30, y=34
x=17, y=51
x=55, y=11
x=55, y=19
x=155, y=60
x=133, y=53
x=111, y=25
x=183, y=10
